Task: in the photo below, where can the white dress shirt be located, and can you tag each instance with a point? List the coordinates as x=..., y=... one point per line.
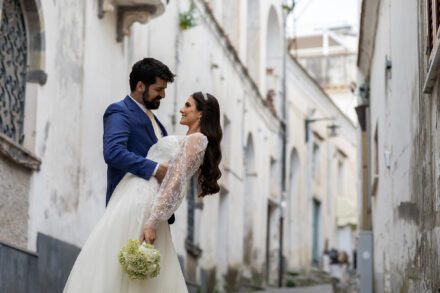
x=156, y=128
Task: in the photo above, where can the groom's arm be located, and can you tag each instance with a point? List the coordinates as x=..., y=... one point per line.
x=116, y=133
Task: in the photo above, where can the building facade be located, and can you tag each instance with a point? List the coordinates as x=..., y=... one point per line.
x=398, y=113
x=71, y=59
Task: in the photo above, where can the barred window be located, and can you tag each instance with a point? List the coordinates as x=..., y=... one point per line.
x=433, y=23
x=13, y=63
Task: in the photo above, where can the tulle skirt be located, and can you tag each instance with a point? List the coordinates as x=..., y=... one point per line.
x=97, y=269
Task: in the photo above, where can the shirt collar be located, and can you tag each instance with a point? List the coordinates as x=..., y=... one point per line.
x=140, y=105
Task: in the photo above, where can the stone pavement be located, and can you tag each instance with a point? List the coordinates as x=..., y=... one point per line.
x=311, y=289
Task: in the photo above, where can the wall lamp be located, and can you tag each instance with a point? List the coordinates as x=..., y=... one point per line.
x=333, y=127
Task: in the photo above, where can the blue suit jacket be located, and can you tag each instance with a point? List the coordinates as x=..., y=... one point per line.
x=128, y=135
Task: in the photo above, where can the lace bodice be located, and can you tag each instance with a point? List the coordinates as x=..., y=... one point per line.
x=165, y=149
x=185, y=155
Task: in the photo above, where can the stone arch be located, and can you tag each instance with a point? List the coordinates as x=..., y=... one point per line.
x=292, y=202
x=274, y=56
x=253, y=44
x=231, y=21
x=36, y=41
x=22, y=52
x=249, y=199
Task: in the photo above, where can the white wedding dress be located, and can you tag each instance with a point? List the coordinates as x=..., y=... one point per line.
x=135, y=201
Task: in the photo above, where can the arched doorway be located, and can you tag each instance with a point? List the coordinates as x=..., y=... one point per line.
x=248, y=202
x=293, y=231
x=253, y=51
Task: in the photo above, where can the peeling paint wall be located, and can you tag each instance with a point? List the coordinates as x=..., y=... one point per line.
x=87, y=70
x=14, y=203
x=405, y=208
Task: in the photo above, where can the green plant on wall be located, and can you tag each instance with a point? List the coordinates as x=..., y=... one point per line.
x=188, y=19
x=289, y=6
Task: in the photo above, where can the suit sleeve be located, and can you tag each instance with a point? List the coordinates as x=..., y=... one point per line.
x=116, y=134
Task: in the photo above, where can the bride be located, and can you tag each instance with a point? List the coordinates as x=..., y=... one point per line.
x=139, y=209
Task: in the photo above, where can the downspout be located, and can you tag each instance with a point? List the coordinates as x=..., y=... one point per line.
x=176, y=62
x=281, y=267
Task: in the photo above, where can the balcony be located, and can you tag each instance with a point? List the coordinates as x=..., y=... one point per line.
x=129, y=12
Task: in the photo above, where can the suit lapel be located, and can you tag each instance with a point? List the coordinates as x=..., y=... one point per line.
x=140, y=115
x=162, y=128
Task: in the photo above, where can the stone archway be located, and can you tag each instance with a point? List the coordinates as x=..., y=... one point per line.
x=22, y=63
x=274, y=57
x=253, y=39
x=292, y=208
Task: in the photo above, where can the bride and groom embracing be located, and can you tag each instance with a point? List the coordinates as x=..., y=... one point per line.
x=147, y=172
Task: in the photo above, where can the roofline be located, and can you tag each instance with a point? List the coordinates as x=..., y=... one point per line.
x=322, y=91
x=367, y=35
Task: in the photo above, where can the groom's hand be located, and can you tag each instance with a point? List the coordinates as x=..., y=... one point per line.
x=161, y=172
x=148, y=234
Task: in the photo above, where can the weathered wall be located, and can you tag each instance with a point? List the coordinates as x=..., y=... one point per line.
x=304, y=95
x=14, y=203
x=87, y=70
x=406, y=225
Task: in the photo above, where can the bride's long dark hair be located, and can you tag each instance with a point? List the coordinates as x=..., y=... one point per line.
x=210, y=126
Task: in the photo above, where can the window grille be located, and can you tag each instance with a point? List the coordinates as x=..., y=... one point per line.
x=13, y=63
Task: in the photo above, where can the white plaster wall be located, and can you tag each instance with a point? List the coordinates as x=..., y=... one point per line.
x=391, y=104
x=304, y=95
x=87, y=70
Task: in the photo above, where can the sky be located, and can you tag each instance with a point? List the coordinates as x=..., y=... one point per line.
x=314, y=15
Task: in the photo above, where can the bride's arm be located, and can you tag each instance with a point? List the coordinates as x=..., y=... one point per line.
x=186, y=163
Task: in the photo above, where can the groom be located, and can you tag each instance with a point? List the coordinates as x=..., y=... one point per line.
x=130, y=128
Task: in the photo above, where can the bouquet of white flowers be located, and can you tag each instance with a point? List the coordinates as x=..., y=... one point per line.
x=140, y=261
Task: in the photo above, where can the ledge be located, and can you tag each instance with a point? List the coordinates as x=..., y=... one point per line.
x=37, y=76
x=129, y=12
x=18, y=154
x=193, y=249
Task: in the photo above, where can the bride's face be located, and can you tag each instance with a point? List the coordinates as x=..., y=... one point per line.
x=190, y=114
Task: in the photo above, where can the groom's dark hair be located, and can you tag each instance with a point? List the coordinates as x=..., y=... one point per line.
x=147, y=70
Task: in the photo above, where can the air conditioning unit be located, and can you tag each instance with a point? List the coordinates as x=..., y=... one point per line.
x=365, y=261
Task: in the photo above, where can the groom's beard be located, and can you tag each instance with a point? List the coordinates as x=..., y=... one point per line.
x=152, y=104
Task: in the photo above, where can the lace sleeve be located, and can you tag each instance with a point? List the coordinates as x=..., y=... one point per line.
x=186, y=163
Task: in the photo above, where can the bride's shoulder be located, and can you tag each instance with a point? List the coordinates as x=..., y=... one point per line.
x=197, y=138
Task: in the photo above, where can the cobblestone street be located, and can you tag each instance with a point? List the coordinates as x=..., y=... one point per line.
x=311, y=289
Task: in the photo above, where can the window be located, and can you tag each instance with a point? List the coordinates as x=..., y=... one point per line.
x=13, y=56
x=226, y=141
x=315, y=162
x=340, y=177
x=375, y=170
x=432, y=32
x=274, y=178
x=433, y=18
x=195, y=207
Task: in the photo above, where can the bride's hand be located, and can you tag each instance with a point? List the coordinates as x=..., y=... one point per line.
x=148, y=234
x=161, y=172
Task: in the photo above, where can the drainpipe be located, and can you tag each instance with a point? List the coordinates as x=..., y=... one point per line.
x=281, y=267
x=176, y=70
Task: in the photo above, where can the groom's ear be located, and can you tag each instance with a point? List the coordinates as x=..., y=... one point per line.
x=140, y=86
